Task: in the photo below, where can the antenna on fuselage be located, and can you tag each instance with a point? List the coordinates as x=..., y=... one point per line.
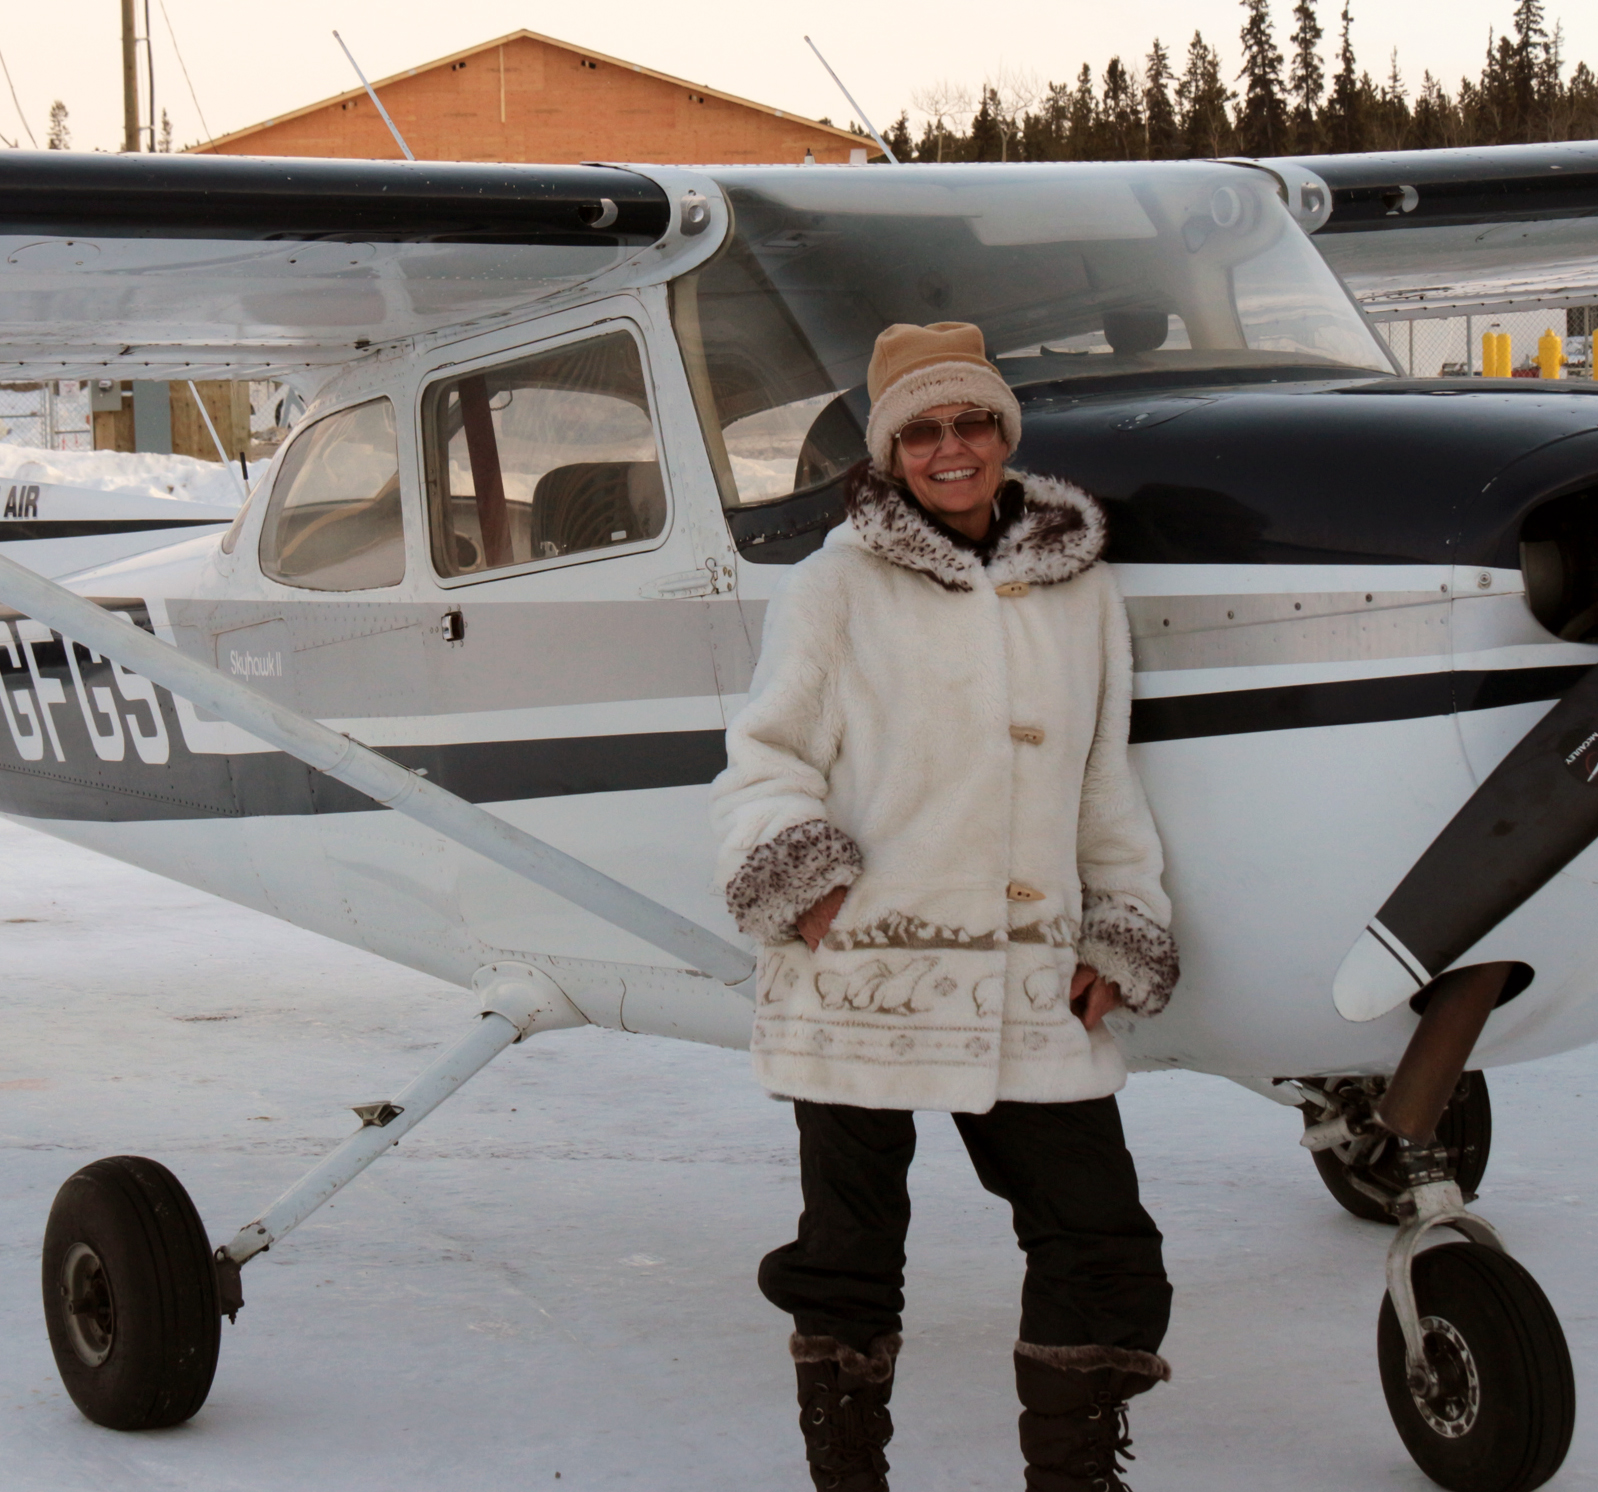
x=399, y=139
x=871, y=129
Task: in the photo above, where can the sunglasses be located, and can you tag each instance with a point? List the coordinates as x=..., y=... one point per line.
x=976, y=427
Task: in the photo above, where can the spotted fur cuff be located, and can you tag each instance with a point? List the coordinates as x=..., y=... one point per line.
x=875, y=1366
x=788, y=875
x=1125, y=945
x=1085, y=1359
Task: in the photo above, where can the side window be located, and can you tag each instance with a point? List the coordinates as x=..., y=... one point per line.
x=334, y=521
x=549, y=456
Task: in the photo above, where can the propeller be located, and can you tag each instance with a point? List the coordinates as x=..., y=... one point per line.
x=1535, y=812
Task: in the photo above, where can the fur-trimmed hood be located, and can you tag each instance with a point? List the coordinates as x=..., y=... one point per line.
x=1060, y=532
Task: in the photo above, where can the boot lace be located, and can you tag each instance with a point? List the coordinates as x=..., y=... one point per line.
x=1102, y=1457
x=850, y=1432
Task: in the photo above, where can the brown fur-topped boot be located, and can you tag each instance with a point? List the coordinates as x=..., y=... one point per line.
x=843, y=1410
x=1073, y=1415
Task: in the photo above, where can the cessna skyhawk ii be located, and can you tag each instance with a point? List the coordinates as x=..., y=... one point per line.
x=452, y=685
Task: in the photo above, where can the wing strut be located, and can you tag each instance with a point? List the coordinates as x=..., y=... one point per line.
x=382, y=780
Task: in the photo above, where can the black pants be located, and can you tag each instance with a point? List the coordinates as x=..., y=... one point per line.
x=1093, y=1268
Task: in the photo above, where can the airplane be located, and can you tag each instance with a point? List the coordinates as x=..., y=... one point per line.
x=452, y=685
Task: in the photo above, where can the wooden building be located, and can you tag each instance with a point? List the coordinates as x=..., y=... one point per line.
x=526, y=97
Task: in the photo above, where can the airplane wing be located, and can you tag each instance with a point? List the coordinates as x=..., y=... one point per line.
x=233, y=267
x=1471, y=231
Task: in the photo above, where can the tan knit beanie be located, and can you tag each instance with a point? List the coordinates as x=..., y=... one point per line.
x=914, y=368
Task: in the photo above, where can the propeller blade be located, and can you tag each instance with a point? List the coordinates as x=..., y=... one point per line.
x=1533, y=815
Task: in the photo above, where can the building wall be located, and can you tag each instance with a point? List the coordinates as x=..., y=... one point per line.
x=529, y=100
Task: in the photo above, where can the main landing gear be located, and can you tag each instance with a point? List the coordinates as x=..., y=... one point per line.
x=134, y=1295
x=1473, y=1361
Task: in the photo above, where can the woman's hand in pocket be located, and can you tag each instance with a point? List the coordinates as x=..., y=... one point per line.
x=813, y=924
x=1092, y=996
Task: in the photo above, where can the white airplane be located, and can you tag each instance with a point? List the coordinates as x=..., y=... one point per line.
x=453, y=684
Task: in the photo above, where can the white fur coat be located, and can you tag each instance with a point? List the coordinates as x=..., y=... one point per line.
x=948, y=741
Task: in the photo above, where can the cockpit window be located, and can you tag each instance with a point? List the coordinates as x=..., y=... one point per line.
x=1071, y=271
x=545, y=457
x=334, y=522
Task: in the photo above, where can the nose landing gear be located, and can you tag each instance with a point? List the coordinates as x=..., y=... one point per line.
x=1474, y=1364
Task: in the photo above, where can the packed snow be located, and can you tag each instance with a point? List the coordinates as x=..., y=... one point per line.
x=139, y=473
x=554, y=1276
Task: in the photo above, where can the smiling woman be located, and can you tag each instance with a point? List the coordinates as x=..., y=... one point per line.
x=929, y=823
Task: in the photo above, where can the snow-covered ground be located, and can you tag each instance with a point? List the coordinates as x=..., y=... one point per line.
x=555, y=1275
x=142, y=474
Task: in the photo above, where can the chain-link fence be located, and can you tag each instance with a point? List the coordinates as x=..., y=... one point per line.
x=1451, y=346
x=51, y=416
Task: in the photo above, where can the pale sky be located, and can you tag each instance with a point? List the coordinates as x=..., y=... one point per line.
x=251, y=61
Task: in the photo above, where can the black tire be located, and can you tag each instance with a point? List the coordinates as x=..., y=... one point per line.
x=1466, y=1128
x=1503, y=1418
x=125, y=1246
x=1336, y=1176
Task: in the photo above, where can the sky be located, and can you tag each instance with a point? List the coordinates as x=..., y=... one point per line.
x=248, y=62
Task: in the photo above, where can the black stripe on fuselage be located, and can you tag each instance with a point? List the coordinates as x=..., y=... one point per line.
x=80, y=528
x=190, y=786
x=1182, y=717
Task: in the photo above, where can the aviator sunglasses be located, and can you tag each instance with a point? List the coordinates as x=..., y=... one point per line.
x=976, y=427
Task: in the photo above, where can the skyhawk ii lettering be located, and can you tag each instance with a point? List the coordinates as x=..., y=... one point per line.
x=453, y=685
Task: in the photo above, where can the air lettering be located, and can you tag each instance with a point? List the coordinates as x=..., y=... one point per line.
x=22, y=501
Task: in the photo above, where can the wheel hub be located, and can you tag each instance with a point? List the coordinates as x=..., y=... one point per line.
x=1450, y=1398
x=87, y=1305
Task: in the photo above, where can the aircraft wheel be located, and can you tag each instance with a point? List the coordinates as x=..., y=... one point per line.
x=1499, y=1416
x=130, y=1295
x=1466, y=1129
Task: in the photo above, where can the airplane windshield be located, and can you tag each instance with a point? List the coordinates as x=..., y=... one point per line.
x=1071, y=271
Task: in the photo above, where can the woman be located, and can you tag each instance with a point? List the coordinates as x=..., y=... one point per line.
x=929, y=823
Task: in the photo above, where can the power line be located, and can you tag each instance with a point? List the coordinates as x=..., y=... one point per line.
x=20, y=115
x=179, y=55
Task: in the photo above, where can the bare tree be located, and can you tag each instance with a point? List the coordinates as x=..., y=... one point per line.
x=1012, y=91
x=944, y=104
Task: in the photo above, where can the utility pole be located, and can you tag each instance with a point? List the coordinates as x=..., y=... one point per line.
x=130, y=80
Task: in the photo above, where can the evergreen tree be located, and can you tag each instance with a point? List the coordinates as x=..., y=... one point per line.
x=1164, y=139
x=1044, y=133
x=1306, y=80
x=1262, y=120
x=1201, y=100
x=165, y=143
x=1345, y=122
x=1527, y=72
x=1082, y=127
x=1433, y=126
x=986, y=141
x=1390, y=111
x=898, y=138
x=1122, y=113
x=60, y=133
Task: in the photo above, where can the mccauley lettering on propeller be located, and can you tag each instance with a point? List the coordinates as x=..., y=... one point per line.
x=453, y=684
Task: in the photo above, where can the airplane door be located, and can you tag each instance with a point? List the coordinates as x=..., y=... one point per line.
x=572, y=673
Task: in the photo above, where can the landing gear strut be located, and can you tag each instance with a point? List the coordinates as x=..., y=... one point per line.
x=1362, y=1171
x=133, y=1293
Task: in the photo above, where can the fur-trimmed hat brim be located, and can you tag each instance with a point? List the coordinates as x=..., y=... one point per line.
x=924, y=389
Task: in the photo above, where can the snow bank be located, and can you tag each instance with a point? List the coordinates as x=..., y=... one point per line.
x=144, y=474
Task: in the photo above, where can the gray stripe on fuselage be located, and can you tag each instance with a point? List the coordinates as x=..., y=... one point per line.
x=374, y=659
